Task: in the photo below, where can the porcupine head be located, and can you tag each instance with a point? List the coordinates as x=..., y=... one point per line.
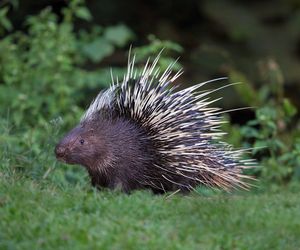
x=141, y=133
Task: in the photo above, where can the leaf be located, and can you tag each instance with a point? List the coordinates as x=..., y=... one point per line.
x=119, y=35
x=289, y=108
x=250, y=132
x=259, y=146
x=98, y=49
x=4, y=21
x=83, y=13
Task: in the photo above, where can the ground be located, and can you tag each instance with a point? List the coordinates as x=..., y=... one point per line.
x=40, y=215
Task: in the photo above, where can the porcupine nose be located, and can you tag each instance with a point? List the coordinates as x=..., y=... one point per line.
x=59, y=151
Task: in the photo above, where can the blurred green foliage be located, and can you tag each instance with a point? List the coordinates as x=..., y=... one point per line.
x=274, y=133
x=43, y=77
x=50, y=70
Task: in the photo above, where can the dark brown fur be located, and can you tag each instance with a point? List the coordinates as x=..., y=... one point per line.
x=116, y=153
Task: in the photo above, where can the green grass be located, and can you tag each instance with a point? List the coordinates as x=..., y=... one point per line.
x=39, y=215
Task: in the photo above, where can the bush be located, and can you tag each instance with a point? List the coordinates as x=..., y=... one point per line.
x=45, y=84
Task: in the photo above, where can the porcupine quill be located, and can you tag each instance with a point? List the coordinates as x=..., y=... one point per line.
x=142, y=134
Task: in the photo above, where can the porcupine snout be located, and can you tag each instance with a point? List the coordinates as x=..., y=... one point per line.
x=59, y=151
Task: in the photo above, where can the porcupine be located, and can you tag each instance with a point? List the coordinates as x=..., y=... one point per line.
x=140, y=133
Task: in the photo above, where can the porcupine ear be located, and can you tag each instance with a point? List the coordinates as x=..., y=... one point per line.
x=104, y=100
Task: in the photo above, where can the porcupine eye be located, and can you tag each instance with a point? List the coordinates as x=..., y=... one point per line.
x=81, y=141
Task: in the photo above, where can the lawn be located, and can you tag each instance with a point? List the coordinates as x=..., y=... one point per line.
x=40, y=215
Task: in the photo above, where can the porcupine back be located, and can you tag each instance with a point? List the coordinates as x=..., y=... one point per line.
x=182, y=127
